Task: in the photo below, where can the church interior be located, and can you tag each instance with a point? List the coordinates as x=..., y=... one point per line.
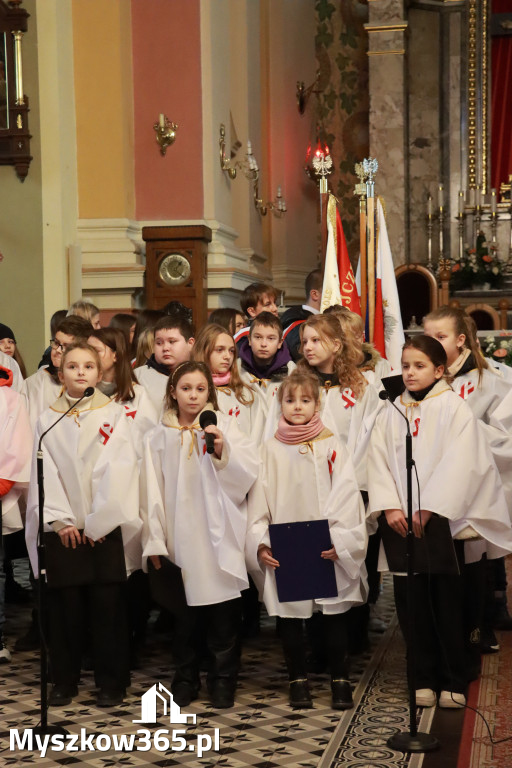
x=135, y=129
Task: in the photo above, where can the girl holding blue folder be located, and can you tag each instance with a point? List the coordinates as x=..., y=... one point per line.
x=307, y=475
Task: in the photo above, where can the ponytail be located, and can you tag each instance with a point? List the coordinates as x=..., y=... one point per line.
x=463, y=325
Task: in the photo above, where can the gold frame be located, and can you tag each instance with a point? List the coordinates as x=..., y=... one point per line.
x=478, y=168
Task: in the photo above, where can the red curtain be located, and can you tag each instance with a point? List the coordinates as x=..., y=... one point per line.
x=501, y=103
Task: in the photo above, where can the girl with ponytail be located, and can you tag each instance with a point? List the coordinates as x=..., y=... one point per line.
x=483, y=390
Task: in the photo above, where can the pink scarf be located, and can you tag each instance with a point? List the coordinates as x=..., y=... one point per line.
x=293, y=434
x=221, y=379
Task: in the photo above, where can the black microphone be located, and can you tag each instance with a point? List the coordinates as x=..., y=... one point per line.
x=87, y=393
x=205, y=419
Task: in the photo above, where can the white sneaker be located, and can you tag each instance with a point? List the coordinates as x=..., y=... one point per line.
x=5, y=654
x=451, y=700
x=425, y=697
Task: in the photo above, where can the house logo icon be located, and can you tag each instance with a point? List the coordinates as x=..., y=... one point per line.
x=149, y=702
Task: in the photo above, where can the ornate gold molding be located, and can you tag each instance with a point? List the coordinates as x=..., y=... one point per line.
x=485, y=93
x=478, y=94
x=472, y=94
x=400, y=52
x=386, y=27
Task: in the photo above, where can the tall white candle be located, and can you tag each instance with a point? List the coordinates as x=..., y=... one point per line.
x=161, y=121
x=429, y=203
x=494, y=201
x=440, y=196
x=461, y=202
x=472, y=197
x=478, y=197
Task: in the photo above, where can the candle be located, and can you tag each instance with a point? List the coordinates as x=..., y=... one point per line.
x=494, y=201
x=161, y=121
x=472, y=198
x=279, y=191
x=478, y=197
x=461, y=202
x=249, y=148
x=440, y=196
x=429, y=202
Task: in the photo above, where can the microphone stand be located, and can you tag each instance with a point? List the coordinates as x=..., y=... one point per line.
x=414, y=740
x=43, y=728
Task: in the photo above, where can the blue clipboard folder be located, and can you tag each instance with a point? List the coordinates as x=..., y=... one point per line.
x=302, y=573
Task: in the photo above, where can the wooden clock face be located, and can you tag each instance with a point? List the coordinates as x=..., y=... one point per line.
x=174, y=269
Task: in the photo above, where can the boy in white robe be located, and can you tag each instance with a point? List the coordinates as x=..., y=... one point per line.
x=174, y=340
x=43, y=388
x=263, y=362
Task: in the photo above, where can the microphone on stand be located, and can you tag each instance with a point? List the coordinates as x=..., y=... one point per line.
x=87, y=393
x=205, y=419
x=43, y=728
x=385, y=395
x=414, y=740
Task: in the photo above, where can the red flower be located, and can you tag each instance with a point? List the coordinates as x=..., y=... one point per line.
x=455, y=267
x=487, y=258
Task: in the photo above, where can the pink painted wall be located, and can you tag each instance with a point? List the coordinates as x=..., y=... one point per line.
x=167, y=78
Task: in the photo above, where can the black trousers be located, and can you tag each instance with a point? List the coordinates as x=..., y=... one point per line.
x=333, y=629
x=440, y=632
x=97, y=611
x=222, y=624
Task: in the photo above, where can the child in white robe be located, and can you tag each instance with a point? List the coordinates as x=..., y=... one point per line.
x=458, y=480
x=119, y=383
x=370, y=363
x=12, y=365
x=15, y=452
x=348, y=403
x=43, y=388
x=216, y=348
x=195, y=515
x=349, y=406
x=264, y=362
x=476, y=382
x=91, y=491
x=173, y=342
x=307, y=475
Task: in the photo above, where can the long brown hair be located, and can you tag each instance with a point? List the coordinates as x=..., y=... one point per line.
x=346, y=359
x=190, y=366
x=463, y=325
x=202, y=350
x=124, y=377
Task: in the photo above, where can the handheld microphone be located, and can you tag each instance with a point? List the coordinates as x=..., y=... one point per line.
x=87, y=393
x=205, y=419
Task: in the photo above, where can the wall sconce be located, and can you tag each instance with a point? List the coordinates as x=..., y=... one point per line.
x=277, y=206
x=225, y=164
x=251, y=171
x=165, y=132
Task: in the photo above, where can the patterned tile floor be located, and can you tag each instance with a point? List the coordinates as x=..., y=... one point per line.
x=260, y=730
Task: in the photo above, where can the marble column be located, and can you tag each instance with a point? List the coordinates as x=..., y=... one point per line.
x=387, y=50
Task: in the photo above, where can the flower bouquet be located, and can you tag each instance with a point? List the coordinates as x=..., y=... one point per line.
x=477, y=266
x=499, y=349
